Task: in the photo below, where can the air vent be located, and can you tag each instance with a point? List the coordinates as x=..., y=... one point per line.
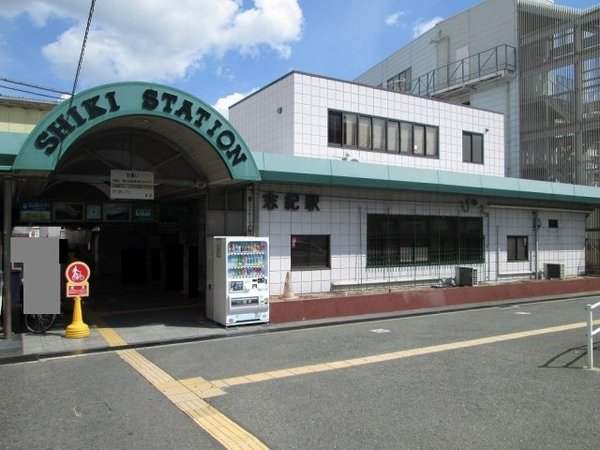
x=554, y=271
x=466, y=276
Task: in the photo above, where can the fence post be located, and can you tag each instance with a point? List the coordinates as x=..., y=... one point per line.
x=590, y=337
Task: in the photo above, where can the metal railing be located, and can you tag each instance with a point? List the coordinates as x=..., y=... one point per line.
x=590, y=333
x=467, y=70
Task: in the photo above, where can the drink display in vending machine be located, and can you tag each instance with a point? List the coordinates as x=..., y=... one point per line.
x=237, y=280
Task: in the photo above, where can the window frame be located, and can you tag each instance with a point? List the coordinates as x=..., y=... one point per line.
x=334, y=133
x=353, y=133
x=366, y=131
x=364, y=139
x=407, y=240
x=512, y=248
x=470, y=158
x=378, y=133
x=401, y=82
x=396, y=141
x=313, y=262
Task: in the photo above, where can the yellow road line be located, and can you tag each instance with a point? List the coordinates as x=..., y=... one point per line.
x=187, y=396
x=342, y=364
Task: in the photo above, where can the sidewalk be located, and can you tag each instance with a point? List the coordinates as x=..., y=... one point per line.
x=155, y=325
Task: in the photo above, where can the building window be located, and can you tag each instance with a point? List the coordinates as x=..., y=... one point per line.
x=310, y=251
x=419, y=140
x=401, y=82
x=335, y=128
x=393, y=136
x=349, y=130
x=517, y=248
x=431, y=141
x=398, y=240
x=378, y=134
x=385, y=135
x=424, y=140
x=364, y=133
x=406, y=138
x=472, y=147
x=552, y=223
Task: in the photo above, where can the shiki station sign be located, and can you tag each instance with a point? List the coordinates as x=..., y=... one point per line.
x=73, y=118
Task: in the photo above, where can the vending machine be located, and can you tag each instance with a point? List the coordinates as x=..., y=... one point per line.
x=237, y=280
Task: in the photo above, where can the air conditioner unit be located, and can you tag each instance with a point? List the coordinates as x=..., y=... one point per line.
x=554, y=271
x=466, y=276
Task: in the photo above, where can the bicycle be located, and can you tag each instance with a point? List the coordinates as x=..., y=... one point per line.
x=39, y=323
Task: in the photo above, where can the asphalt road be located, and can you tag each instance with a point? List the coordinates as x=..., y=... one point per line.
x=426, y=382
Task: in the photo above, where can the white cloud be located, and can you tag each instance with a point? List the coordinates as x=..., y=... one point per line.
x=393, y=20
x=222, y=104
x=421, y=27
x=158, y=40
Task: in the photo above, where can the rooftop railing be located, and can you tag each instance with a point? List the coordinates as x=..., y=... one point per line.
x=487, y=64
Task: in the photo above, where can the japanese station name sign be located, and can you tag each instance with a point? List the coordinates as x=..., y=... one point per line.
x=131, y=185
x=291, y=201
x=77, y=275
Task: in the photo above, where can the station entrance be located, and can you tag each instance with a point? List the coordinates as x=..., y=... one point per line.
x=144, y=247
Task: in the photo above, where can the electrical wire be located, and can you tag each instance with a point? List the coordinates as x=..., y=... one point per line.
x=79, y=64
x=38, y=88
x=25, y=91
x=83, y=44
x=29, y=85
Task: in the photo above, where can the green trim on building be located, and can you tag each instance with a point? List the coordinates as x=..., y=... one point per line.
x=293, y=169
x=10, y=143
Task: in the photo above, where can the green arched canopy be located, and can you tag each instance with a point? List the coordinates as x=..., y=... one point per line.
x=52, y=137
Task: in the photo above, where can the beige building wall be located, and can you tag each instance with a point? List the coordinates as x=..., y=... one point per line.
x=18, y=116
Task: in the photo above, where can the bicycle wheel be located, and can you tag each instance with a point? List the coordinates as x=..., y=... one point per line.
x=39, y=323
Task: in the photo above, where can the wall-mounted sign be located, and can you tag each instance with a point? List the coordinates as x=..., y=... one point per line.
x=144, y=213
x=93, y=212
x=68, y=211
x=131, y=184
x=291, y=201
x=117, y=212
x=34, y=212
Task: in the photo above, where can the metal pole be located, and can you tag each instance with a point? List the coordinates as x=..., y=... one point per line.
x=537, y=249
x=6, y=232
x=590, y=337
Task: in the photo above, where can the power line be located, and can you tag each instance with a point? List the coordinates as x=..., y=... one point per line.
x=33, y=86
x=81, y=53
x=25, y=91
x=47, y=89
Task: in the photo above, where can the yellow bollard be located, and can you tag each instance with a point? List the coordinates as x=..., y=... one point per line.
x=77, y=329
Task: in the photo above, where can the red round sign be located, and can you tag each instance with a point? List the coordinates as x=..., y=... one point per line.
x=77, y=272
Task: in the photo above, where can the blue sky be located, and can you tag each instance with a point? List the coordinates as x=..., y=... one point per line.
x=217, y=50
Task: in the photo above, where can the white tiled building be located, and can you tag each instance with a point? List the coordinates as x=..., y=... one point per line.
x=290, y=117
x=291, y=123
